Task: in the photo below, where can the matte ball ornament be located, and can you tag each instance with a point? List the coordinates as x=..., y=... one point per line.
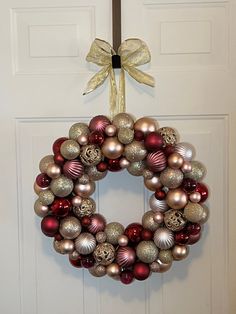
x=141, y=271
x=78, y=129
x=97, y=224
x=176, y=199
x=94, y=174
x=123, y=240
x=57, y=144
x=193, y=212
x=195, y=197
x=175, y=161
x=46, y=197
x=113, y=270
x=50, y=225
x=126, y=277
x=96, y=138
x=160, y=267
x=147, y=234
x=44, y=162
x=62, y=186
x=83, y=140
x=84, y=190
x=135, y=151
x=40, y=209
x=70, y=149
x=189, y=185
x=146, y=125
x=157, y=205
x=73, y=169
x=113, y=230
x=110, y=130
x=64, y=246
x=101, y=237
x=174, y=220
x=43, y=180
x=99, y=123
x=136, y=168
x=158, y=217
x=98, y=270
x=171, y=178
x=86, y=208
x=123, y=120
x=104, y=253
x=112, y=148
x=154, y=141
x=203, y=190
x=85, y=243
x=163, y=238
x=90, y=155
x=60, y=207
x=165, y=256
x=87, y=261
x=124, y=163
x=186, y=150
x=154, y=183
x=180, y=252
x=59, y=159
x=148, y=221
x=169, y=135
x=134, y=232
x=70, y=227
x=53, y=171
x=125, y=256
x=147, y=251
x=156, y=161
x=125, y=136
x=186, y=167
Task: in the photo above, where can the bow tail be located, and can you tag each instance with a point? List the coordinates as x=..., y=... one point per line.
x=113, y=93
x=121, y=95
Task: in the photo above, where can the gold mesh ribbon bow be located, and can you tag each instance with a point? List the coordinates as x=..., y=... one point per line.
x=133, y=52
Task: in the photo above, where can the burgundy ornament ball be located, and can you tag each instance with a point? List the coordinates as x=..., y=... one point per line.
x=57, y=144
x=125, y=256
x=194, y=238
x=203, y=190
x=134, y=232
x=139, y=135
x=189, y=185
x=96, y=137
x=85, y=221
x=156, y=161
x=60, y=207
x=160, y=195
x=102, y=166
x=73, y=169
x=193, y=228
x=169, y=149
x=76, y=262
x=181, y=237
x=141, y=271
x=126, y=277
x=58, y=237
x=87, y=261
x=43, y=180
x=114, y=165
x=154, y=141
x=147, y=235
x=59, y=159
x=50, y=226
x=97, y=224
x=99, y=123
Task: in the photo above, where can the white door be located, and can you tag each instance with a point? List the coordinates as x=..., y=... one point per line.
x=43, y=73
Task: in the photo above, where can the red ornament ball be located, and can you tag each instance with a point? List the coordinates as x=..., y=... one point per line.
x=141, y=271
x=169, y=149
x=181, y=237
x=154, y=141
x=76, y=262
x=96, y=138
x=60, y=207
x=194, y=238
x=58, y=237
x=138, y=135
x=87, y=261
x=59, y=159
x=160, y=195
x=189, y=185
x=203, y=190
x=193, y=228
x=50, y=226
x=85, y=221
x=99, y=123
x=43, y=180
x=156, y=161
x=134, y=232
x=147, y=235
x=57, y=144
x=102, y=166
x=126, y=277
x=114, y=165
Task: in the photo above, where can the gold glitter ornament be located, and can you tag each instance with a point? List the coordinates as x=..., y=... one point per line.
x=123, y=120
x=205, y=215
x=90, y=155
x=98, y=271
x=165, y=256
x=86, y=208
x=104, y=253
x=40, y=209
x=84, y=179
x=125, y=136
x=147, y=174
x=174, y=220
x=148, y=221
x=77, y=130
x=101, y=237
x=70, y=227
x=85, y=243
x=136, y=168
x=70, y=149
x=94, y=174
x=38, y=189
x=147, y=251
x=169, y=135
x=171, y=178
x=193, y=212
x=44, y=162
x=113, y=230
x=62, y=186
x=46, y=197
x=64, y=246
x=135, y=151
x=74, y=255
x=198, y=171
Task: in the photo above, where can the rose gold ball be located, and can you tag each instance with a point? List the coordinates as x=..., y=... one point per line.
x=110, y=130
x=123, y=240
x=124, y=163
x=186, y=167
x=176, y=198
x=180, y=252
x=112, y=148
x=38, y=189
x=158, y=217
x=159, y=267
x=40, y=209
x=76, y=201
x=175, y=161
x=153, y=183
x=53, y=171
x=84, y=190
x=195, y=197
x=82, y=139
x=113, y=270
x=146, y=125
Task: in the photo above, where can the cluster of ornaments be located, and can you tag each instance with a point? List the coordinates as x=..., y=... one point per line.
x=67, y=181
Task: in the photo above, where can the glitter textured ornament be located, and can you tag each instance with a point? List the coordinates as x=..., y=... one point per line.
x=86, y=208
x=85, y=243
x=90, y=155
x=147, y=251
x=135, y=151
x=174, y=220
x=104, y=253
x=123, y=120
x=113, y=230
x=125, y=136
x=165, y=256
x=125, y=256
x=57, y=144
x=70, y=227
x=62, y=186
x=73, y=169
x=101, y=237
x=78, y=129
x=70, y=149
x=193, y=212
x=198, y=171
x=156, y=161
x=148, y=221
x=46, y=197
x=136, y=168
x=169, y=135
x=171, y=178
x=98, y=271
x=163, y=238
x=64, y=246
x=44, y=162
x=94, y=174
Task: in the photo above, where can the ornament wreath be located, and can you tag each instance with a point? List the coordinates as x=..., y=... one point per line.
x=67, y=181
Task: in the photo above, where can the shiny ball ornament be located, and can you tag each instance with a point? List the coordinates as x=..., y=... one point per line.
x=85, y=243
x=62, y=186
x=202, y=189
x=147, y=251
x=44, y=162
x=90, y=155
x=82, y=140
x=87, y=261
x=125, y=136
x=70, y=149
x=40, y=209
x=59, y=159
x=153, y=184
x=113, y=230
x=193, y=212
x=123, y=240
x=174, y=220
x=164, y=238
x=64, y=246
x=158, y=217
x=70, y=227
x=189, y=185
x=86, y=208
x=112, y=148
x=126, y=277
x=60, y=207
x=53, y=171
x=73, y=169
x=46, y=197
x=195, y=197
x=57, y=144
x=180, y=252
x=76, y=201
x=136, y=168
x=38, y=189
x=146, y=125
x=101, y=237
x=141, y=271
x=186, y=150
x=76, y=262
x=154, y=141
x=94, y=174
x=50, y=226
x=85, y=221
x=114, y=165
x=160, y=267
x=135, y=151
x=134, y=232
x=175, y=161
x=176, y=199
x=110, y=130
x=169, y=135
x=113, y=270
x=165, y=256
x=182, y=237
x=99, y=123
x=123, y=120
x=198, y=171
x=97, y=224
x=157, y=205
x=156, y=161
x=43, y=180
x=104, y=254
x=84, y=190
x=125, y=256
x=138, y=135
x=148, y=221
x=147, y=234
x=171, y=178
x=102, y=166
x=77, y=130
x=160, y=195
x=124, y=163
x=186, y=167
x=96, y=138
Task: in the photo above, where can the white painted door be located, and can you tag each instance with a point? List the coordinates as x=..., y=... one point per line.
x=43, y=74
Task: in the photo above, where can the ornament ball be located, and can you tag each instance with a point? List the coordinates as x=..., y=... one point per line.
x=141, y=271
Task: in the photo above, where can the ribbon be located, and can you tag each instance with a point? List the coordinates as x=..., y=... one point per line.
x=133, y=52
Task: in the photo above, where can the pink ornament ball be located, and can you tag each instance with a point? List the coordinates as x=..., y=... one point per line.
x=99, y=123
x=125, y=256
x=43, y=180
x=73, y=169
x=156, y=161
x=97, y=223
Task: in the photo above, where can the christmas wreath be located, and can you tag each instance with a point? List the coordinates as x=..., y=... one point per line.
x=67, y=181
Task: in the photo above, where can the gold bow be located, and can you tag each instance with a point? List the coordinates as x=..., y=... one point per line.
x=133, y=52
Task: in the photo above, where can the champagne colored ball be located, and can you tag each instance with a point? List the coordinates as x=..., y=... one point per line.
x=165, y=256
x=169, y=135
x=101, y=237
x=198, y=171
x=148, y=221
x=38, y=189
x=124, y=163
x=40, y=209
x=123, y=240
x=125, y=136
x=94, y=174
x=186, y=150
x=174, y=220
x=85, y=243
x=195, y=197
x=193, y=212
x=147, y=174
x=186, y=167
x=112, y=148
x=90, y=155
x=176, y=199
x=180, y=252
x=110, y=130
x=104, y=253
x=154, y=183
x=164, y=238
x=136, y=168
x=175, y=161
x=135, y=151
x=113, y=230
x=171, y=178
x=123, y=120
x=159, y=266
x=46, y=197
x=147, y=251
x=158, y=217
x=53, y=171
x=84, y=190
x=205, y=215
x=70, y=227
x=62, y=186
x=157, y=205
x=146, y=125
x=70, y=149
x=64, y=246
x=82, y=139
x=86, y=208
x=76, y=201
x=98, y=271
x=77, y=130
x=113, y=270
x=44, y=162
